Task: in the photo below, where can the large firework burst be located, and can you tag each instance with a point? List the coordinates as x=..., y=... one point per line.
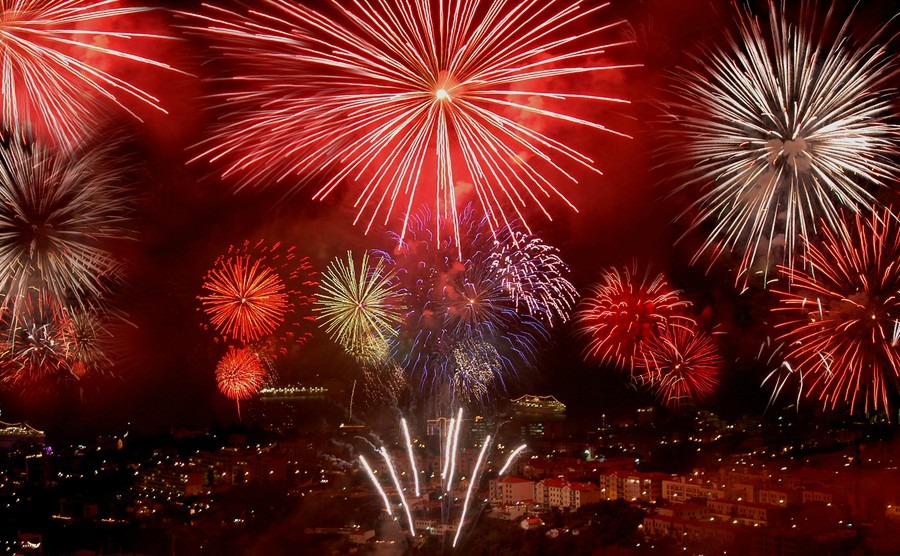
x=623, y=311
x=680, y=365
x=252, y=289
x=60, y=62
x=360, y=309
x=780, y=129
x=844, y=313
x=59, y=214
x=386, y=92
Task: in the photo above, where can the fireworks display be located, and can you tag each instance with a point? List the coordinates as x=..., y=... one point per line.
x=781, y=130
x=681, y=364
x=624, y=311
x=842, y=315
x=251, y=290
x=387, y=93
x=360, y=309
x=64, y=62
x=59, y=215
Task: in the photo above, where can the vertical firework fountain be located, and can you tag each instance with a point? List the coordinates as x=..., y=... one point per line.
x=449, y=447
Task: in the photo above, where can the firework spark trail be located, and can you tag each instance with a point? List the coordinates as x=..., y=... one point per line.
x=390, y=466
x=393, y=91
x=781, y=132
x=472, y=481
x=780, y=380
x=447, y=450
x=844, y=342
x=48, y=54
x=387, y=504
x=453, y=450
x=510, y=459
x=412, y=460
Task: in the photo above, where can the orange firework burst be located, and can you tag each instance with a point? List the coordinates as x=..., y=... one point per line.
x=843, y=334
x=240, y=374
x=251, y=290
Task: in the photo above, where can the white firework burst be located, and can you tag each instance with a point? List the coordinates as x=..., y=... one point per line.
x=780, y=129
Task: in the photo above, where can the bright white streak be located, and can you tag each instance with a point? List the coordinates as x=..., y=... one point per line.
x=387, y=505
x=472, y=481
x=412, y=460
x=387, y=460
x=447, y=449
x=509, y=460
x=453, y=451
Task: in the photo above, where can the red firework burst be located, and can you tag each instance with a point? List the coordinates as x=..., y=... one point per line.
x=62, y=64
x=35, y=346
x=680, y=364
x=250, y=291
x=387, y=92
x=240, y=374
x=844, y=309
x=622, y=312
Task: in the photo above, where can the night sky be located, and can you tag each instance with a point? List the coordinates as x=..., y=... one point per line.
x=188, y=215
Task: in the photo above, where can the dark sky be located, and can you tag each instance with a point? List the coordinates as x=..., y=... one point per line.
x=188, y=216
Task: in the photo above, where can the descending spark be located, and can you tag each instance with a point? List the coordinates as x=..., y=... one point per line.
x=845, y=342
x=387, y=505
x=510, y=459
x=412, y=460
x=386, y=93
x=390, y=466
x=360, y=309
x=781, y=131
x=472, y=480
x=781, y=379
x=62, y=65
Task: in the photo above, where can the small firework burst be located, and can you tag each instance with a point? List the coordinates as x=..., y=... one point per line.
x=477, y=370
x=63, y=67
x=680, y=364
x=240, y=374
x=624, y=311
x=251, y=291
x=360, y=309
x=843, y=314
x=780, y=130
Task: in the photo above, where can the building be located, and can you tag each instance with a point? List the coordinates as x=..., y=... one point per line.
x=681, y=490
x=742, y=513
x=510, y=490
